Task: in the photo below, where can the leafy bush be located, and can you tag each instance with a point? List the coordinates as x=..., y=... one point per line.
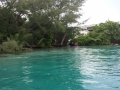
x=103, y=34
x=42, y=45
x=10, y=46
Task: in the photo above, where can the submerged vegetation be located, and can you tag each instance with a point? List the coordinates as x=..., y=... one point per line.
x=37, y=23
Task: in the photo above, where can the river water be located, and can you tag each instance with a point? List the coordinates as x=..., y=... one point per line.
x=68, y=68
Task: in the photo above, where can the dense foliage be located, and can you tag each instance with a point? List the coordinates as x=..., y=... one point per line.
x=107, y=33
x=10, y=46
x=39, y=23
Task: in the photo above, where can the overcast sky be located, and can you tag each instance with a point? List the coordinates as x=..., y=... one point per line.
x=100, y=11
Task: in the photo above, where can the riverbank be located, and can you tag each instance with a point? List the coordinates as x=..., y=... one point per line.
x=30, y=49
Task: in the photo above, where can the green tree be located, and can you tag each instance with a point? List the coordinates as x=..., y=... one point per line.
x=39, y=22
x=60, y=13
x=11, y=19
x=67, y=13
x=103, y=34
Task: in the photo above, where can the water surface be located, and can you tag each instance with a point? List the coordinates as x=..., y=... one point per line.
x=68, y=68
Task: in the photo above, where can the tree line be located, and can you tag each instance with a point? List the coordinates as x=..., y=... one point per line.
x=107, y=33
x=37, y=23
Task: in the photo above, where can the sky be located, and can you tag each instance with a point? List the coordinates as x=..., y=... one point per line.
x=100, y=11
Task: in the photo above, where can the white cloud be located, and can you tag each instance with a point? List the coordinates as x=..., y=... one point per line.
x=101, y=10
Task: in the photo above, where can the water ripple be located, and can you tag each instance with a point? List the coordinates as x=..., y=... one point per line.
x=70, y=68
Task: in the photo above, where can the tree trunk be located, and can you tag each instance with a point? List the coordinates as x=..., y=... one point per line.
x=42, y=38
x=40, y=41
x=63, y=38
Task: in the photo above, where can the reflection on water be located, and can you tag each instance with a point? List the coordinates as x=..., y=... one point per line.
x=71, y=68
x=102, y=66
x=26, y=71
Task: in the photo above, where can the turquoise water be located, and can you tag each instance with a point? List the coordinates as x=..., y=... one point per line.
x=69, y=68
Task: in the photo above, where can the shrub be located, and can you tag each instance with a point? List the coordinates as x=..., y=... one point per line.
x=10, y=46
